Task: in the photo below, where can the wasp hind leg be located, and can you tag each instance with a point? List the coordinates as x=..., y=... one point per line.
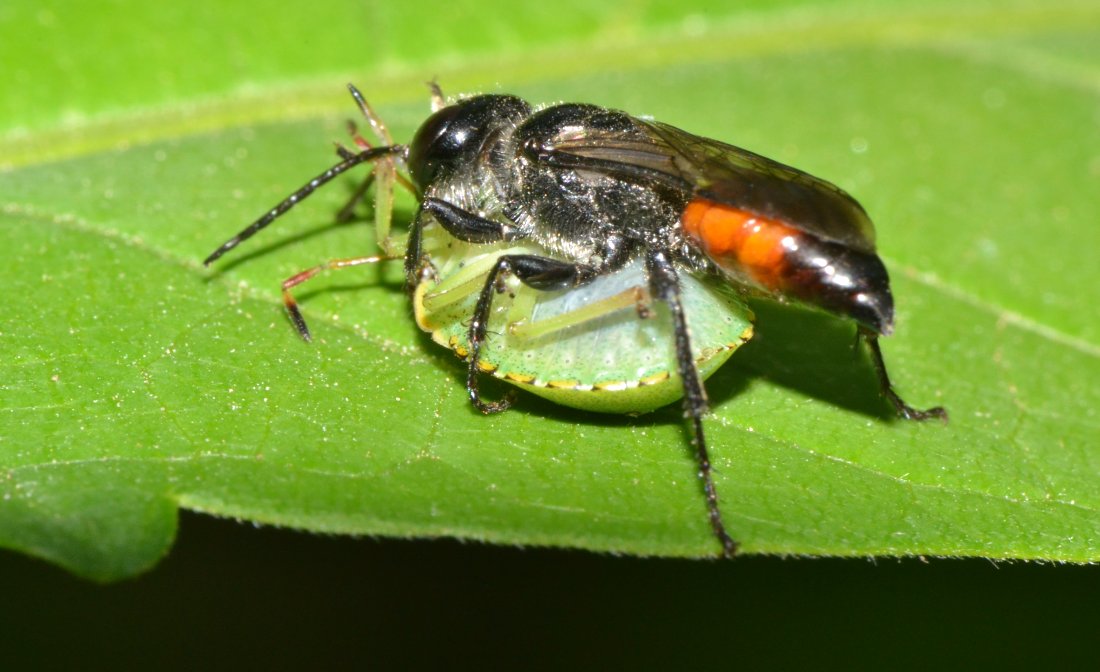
x=665, y=286
x=904, y=410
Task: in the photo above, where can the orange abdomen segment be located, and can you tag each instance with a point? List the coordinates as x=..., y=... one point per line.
x=741, y=241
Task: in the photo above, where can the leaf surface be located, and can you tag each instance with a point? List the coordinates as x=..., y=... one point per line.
x=135, y=381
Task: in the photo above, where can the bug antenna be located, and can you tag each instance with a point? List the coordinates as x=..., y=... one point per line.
x=438, y=100
x=298, y=196
x=375, y=121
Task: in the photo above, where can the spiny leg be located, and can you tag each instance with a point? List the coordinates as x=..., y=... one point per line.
x=299, y=278
x=376, y=123
x=903, y=409
x=665, y=285
x=470, y=279
x=636, y=297
x=347, y=212
x=383, y=176
x=413, y=252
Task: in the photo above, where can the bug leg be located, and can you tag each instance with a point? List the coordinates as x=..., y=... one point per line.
x=387, y=174
x=376, y=123
x=637, y=298
x=665, y=286
x=347, y=211
x=299, y=278
x=903, y=409
x=414, y=253
x=542, y=273
x=384, y=175
x=380, y=130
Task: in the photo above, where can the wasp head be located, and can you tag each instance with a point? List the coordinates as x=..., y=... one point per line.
x=458, y=135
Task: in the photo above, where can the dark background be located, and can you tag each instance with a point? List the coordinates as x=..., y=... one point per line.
x=231, y=595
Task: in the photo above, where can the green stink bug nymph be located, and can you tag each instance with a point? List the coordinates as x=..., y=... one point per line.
x=586, y=347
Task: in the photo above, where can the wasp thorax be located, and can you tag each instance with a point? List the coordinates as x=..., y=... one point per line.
x=454, y=138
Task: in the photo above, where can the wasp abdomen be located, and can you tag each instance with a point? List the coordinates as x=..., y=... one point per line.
x=788, y=261
x=741, y=241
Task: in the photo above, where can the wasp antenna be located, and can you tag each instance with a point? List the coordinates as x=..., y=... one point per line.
x=376, y=123
x=300, y=195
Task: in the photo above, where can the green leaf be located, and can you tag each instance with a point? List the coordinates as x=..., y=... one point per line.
x=138, y=136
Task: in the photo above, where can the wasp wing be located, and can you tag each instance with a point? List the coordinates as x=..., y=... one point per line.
x=729, y=175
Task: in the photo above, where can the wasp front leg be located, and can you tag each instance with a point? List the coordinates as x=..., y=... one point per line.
x=462, y=224
x=537, y=272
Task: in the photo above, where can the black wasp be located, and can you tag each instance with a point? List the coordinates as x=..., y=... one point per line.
x=597, y=189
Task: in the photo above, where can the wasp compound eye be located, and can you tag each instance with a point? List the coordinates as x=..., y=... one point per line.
x=433, y=145
x=453, y=140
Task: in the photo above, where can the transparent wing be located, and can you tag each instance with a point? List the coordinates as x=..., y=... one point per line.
x=725, y=174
